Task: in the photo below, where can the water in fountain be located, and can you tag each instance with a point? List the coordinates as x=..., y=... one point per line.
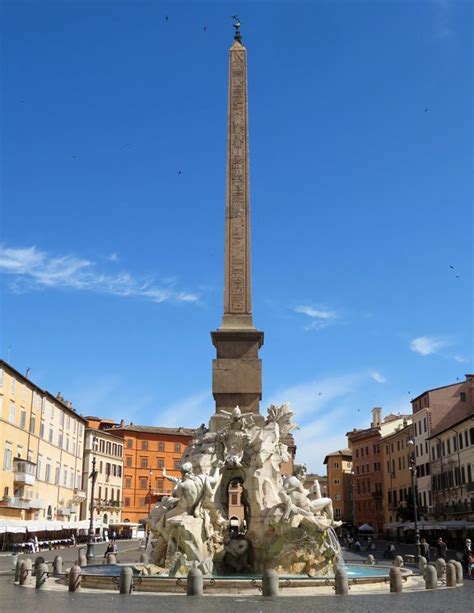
x=336, y=546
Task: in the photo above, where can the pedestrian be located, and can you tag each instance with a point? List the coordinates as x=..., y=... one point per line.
x=357, y=545
x=441, y=548
x=425, y=549
x=467, y=553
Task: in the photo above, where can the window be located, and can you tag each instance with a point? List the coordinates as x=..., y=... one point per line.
x=7, y=458
x=161, y=446
x=118, y=494
x=107, y=448
x=159, y=484
x=101, y=446
x=47, y=474
x=160, y=463
x=126, y=502
x=39, y=467
x=143, y=483
x=65, y=477
x=336, y=482
x=234, y=499
x=22, y=419
x=144, y=462
x=462, y=395
x=13, y=388
x=32, y=423
x=99, y=493
x=336, y=464
x=144, y=444
x=50, y=438
x=119, y=471
x=177, y=464
x=337, y=497
x=41, y=432
x=128, y=461
x=177, y=447
x=128, y=482
x=12, y=412
x=23, y=393
x=57, y=475
x=129, y=445
x=61, y=418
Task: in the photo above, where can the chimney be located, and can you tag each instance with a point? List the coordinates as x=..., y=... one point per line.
x=122, y=423
x=27, y=373
x=376, y=417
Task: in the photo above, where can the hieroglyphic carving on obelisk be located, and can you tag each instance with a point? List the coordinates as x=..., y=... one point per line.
x=237, y=287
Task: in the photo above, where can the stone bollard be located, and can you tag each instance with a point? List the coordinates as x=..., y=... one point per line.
x=144, y=559
x=431, y=577
x=270, y=583
x=111, y=558
x=422, y=563
x=75, y=578
x=80, y=552
x=370, y=560
x=41, y=575
x=395, y=579
x=82, y=561
x=441, y=568
x=58, y=565
x=450, y=575
x=17, y=571
x=126, y=580
x=341, y=582
x=398, y=561
x=194, y=582
x=459, y=571
x=25, y=571
x=38, y=560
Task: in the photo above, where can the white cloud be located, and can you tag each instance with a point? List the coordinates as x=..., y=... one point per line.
x=427, y=345
x=32, y=268
x=188, y=412
x=113, y=257
x=321, y=317
x=376, y=376
x=443, y=19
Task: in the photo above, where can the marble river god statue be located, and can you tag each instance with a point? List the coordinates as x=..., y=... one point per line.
x=287, y=527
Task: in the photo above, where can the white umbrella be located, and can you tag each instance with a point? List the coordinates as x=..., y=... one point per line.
x=366, y=528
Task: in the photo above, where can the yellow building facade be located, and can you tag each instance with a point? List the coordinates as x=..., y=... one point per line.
x=397, y=478
x=41, y=449
x=339, y=483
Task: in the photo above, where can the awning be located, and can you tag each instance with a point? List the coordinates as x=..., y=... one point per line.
x=366, y=528
x=18, y=526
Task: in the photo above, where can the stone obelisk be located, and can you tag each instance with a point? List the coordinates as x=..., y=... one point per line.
x=237, y=369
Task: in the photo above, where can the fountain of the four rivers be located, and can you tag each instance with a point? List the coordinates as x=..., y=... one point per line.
x=287, y=528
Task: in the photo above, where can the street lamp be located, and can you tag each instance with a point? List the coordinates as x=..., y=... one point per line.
x=93, y=478
x=353, y=501
x=149, y=498
x=412, y=461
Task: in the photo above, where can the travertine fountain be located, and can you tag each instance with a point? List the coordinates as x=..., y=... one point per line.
x=288, y=528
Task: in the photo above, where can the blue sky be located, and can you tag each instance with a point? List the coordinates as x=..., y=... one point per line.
x=111, y=261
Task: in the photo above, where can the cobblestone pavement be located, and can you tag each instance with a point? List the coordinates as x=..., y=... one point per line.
x=16, y=599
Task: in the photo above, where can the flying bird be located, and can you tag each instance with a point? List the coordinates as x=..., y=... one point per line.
x=179, y=172
x=426, y=110
x=320, y=393
x=451, y=266
x=205, y=28
x=166, y=18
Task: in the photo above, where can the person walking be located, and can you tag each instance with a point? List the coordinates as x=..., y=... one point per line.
x=425, y=549
x=467, y=554
x=441, y=548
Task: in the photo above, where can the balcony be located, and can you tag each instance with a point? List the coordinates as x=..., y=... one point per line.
x=24, y=471
x=37, y=503
x=107, y=505
x=64, y=511
x=78, y=496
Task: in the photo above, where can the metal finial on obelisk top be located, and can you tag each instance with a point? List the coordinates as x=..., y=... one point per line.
x=236, y=25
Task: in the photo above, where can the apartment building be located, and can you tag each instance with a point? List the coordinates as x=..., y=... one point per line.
x=365, y=445
x=397, y=475
x=429, y=409
x=41, y=445
x=339, y=483
x=147, y=451
x=452, y=465
x=107, y=449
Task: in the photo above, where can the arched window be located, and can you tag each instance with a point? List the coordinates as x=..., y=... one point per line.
x=49, y=513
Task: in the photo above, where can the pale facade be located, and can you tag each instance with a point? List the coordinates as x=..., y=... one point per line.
x=452, y=470
x=397, y=479
x=108, y=452
x=41, y=447
x=430, y=409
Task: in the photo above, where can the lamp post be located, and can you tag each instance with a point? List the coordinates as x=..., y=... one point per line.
x=353, y=501
x=149, y=498
x=412, y=461
x=93, y=478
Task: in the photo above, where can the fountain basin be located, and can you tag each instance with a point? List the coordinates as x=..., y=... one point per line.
x=106, y=577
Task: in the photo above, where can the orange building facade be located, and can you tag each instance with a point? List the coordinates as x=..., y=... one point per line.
x=147, y=451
